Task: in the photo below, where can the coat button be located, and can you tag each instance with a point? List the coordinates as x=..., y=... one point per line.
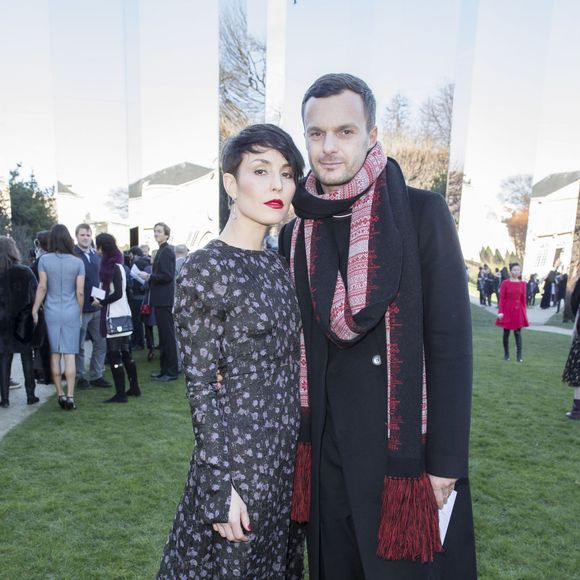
x=376, y=360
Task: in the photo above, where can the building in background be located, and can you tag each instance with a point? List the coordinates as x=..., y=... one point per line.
x=553, y=219
x=182, y=197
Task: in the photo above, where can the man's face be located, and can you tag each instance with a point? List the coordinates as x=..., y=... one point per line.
x=160, y=235
x=337, y=138
x=84, y=239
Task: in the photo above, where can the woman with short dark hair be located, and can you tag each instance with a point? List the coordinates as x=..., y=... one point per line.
x=237, y=316
x=17, y=291
x=61, y=279
x=116, y=306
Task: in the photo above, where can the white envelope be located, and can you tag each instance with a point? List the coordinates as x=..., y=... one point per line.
x=445, y=515
x=98, y=293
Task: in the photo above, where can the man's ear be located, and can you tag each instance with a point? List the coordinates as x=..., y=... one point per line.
x=230, y=185
x=373, y=137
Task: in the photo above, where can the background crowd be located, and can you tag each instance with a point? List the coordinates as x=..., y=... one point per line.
x=553, y=290
x=86, y=291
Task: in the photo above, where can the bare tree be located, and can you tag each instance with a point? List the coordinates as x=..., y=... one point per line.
x=436, y=115
x=515, y=193
x=242, y=76
x=421, y=148
x=396, y=117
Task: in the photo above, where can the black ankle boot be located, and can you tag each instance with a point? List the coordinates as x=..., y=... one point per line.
x=130, y=367
x=575, y=412
x=119, y=380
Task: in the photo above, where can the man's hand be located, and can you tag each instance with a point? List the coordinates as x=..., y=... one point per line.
x=237, y=517
x=143, y=276
x=442, y=488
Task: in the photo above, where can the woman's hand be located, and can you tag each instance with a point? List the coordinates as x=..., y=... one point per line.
x=35, y=316
x=237, y=518
x=500, y=315
x=96, y=303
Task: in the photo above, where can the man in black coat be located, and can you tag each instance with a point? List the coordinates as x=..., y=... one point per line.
x=162, y=293
x=363, y=388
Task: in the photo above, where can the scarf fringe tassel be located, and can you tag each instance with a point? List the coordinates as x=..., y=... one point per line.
x=300, y=510
x=409, y=524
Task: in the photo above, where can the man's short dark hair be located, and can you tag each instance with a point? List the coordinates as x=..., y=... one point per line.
x=82, y=227
x=256, y=138
x=336, y=83
x=165, y=227
x=136, y=251
x=42, y=238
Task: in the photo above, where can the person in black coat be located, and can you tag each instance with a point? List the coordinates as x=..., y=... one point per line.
x=138, y=294
x=386, y=337
x=17, y=292
x=162, y=292
x=41, y=353
x=571, y=374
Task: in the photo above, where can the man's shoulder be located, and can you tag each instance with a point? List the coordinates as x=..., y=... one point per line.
x=284, y=238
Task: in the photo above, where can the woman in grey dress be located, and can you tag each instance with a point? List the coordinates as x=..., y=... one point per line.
x=238, y=325
x=61, y=278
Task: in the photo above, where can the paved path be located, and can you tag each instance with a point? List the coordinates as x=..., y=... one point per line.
x=19, y=410
x=536, y=317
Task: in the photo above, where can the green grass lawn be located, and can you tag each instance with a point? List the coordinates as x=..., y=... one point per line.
x=92, y=493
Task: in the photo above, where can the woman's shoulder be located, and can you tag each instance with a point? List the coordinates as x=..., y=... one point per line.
x=210, y=256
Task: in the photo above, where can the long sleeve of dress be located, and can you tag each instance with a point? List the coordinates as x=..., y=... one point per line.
x=500, y=305
x=117, y=292
x=199, y=314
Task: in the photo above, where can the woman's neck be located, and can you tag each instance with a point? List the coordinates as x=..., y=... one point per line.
x=247, y=235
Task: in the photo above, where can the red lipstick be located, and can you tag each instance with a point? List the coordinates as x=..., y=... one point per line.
x=275, y=204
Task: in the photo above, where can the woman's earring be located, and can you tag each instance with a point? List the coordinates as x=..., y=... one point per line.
x=232, y=207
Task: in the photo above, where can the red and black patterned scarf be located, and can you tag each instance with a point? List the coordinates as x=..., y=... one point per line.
x=383, y=285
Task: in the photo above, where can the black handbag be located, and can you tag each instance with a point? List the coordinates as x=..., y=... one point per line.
x=119, y=325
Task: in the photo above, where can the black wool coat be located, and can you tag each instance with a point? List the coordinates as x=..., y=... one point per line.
x=17, y=293
x=162, y=280
x=356, y=390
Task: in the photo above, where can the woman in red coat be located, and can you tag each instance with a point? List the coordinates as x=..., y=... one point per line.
x=512, y=310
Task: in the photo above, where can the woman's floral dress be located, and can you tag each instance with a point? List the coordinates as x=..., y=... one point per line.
x=236, y=313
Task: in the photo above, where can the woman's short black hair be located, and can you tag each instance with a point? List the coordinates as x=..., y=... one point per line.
x=60, y=240
x=107, y=243
x=333, y=84
x=256, y=138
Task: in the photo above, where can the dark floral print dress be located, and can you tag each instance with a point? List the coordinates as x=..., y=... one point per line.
x=236, y=313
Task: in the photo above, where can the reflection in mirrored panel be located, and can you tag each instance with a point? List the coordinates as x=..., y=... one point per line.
x=127, y=93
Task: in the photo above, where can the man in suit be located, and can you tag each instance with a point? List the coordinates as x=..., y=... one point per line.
x=162, y=291
x=386, y=370
x=91, y=318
